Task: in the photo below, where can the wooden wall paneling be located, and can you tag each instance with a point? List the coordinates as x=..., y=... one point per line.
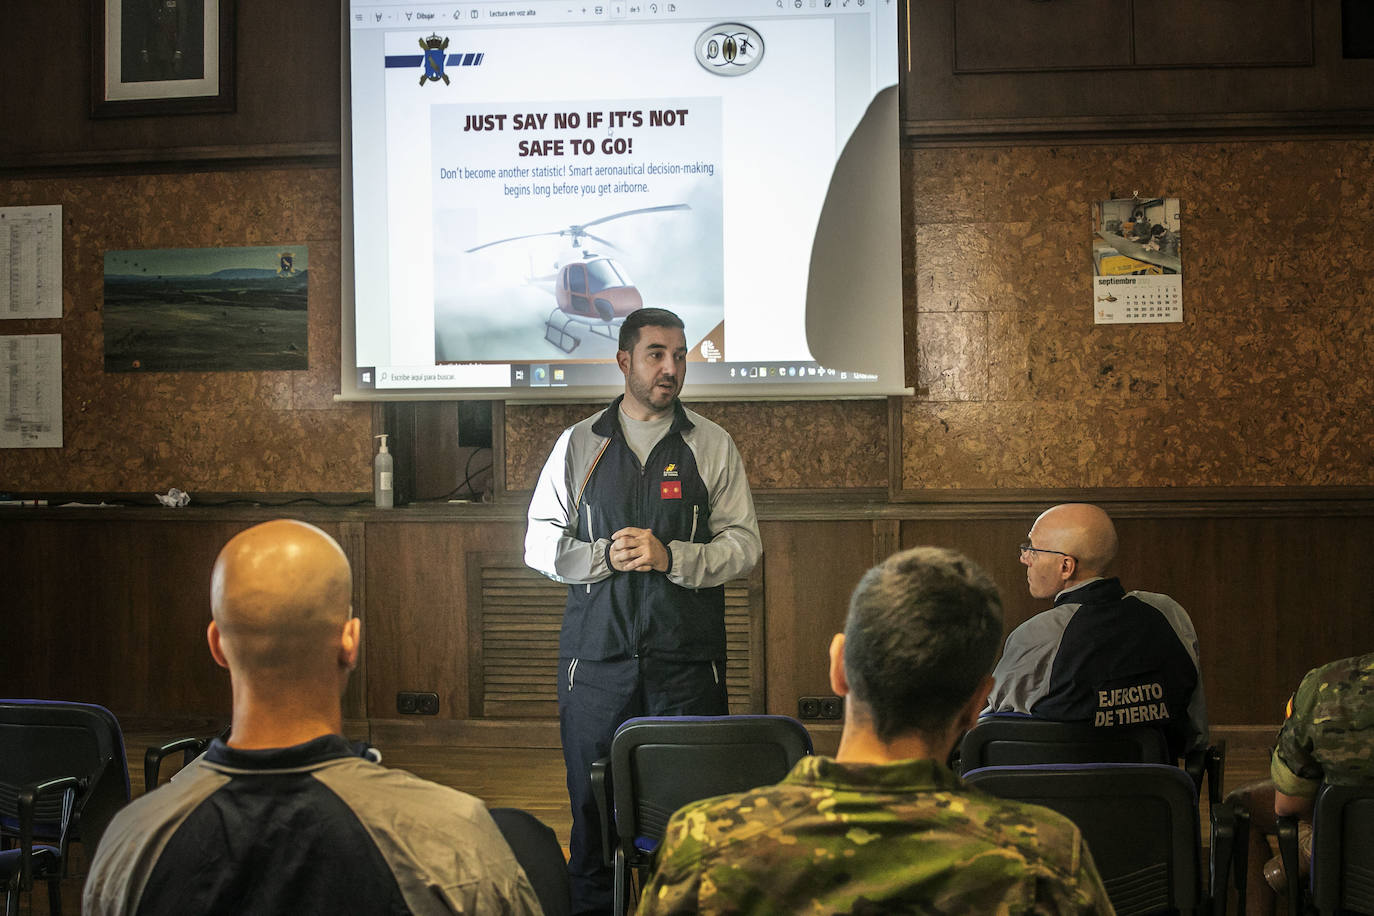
x=476, y=639
x=352, y=537
x=1236, y=621
x=514, y=620
x=757, y=667
x=1270, y=599
x=417, y=598
x=98, y=645
x=887, y=538
x=1015, y=35
x=289, y=58
x=1183, y=33
x=1004, y=35
x=112, y=609
x=116, y=615
x=287, y=98
x=515, y=616
x=809, y=569
x=1194, y=69
x=28, y=594
x=1326, y=609
x=58, y=579
x=170, y=566
x=1196, y=562
x=989, y=542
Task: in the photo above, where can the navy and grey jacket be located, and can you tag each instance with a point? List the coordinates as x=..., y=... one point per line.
x=1109, y=657
x=314, y=828
x=692, y=493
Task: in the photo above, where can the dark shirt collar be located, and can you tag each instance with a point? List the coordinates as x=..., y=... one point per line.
x=312, y=753
x=1095, y=591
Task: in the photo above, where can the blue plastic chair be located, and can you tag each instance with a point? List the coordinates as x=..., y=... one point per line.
x=658, y=764
x=63, y=775
x=1140, y=821
x=1342, y=877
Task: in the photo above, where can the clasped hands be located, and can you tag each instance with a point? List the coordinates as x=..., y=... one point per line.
x=636, y=550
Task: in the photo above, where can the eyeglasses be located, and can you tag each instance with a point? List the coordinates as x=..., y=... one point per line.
x=1026, y=548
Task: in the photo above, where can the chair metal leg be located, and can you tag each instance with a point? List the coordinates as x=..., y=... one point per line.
x=1240, y=862
x=622, y=879
x=1288, y=850
x=1222, y=854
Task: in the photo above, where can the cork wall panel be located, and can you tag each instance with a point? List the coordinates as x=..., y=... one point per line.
x=257, y=432
x=531, y=431
x=1265, y=383
x=785, y=445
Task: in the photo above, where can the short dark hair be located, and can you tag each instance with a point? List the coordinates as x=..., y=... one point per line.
x=922, y=632
x=640, y=318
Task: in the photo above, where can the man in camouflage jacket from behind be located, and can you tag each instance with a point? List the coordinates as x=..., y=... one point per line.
x=885, y=827
x=1327, y=734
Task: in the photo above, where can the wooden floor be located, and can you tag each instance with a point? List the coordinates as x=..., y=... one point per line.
x=533, y=779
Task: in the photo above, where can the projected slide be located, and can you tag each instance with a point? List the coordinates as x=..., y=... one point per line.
x=552, y=222
x=525, y=177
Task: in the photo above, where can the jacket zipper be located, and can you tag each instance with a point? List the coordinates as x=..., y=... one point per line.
x=591, y=534
x=639, y=516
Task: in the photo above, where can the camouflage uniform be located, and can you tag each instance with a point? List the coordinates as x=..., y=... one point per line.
x=908, y=837
x=1328, y=735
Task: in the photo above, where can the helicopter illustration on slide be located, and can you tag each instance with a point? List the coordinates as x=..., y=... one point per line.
x=591, y=290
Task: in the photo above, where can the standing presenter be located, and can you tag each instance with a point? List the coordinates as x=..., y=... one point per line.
x=644, y=511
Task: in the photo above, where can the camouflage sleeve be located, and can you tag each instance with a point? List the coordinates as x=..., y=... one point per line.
x=1092, y=894
x=674, y=886
x=1084, y=895
x=1293, y=768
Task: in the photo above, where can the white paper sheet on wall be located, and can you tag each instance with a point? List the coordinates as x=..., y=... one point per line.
x=31, y=391
x=31, y=262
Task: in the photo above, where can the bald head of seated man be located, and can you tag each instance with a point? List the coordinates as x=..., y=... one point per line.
x=1100, y=655
x=288, y=816
x=281, y=600
x=1068, y=545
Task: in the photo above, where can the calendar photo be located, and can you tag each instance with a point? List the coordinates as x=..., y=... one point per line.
x=1137, y=261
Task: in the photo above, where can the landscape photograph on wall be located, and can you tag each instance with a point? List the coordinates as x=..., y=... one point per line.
x=206, y=309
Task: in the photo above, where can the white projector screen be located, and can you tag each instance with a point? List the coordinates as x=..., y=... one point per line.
x=521, y=176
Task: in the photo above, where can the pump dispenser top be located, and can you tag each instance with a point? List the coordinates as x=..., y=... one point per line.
x=382, y=475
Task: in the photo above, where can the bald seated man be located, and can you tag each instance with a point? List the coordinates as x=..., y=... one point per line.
x=1101, y=654
x=288, y=816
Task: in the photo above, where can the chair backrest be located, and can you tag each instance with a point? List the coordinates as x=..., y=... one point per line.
x=1343, y=849
x=1140, y=821
x=1021, y=740
x=537, y=850
x=43, y=739
x=659, y=764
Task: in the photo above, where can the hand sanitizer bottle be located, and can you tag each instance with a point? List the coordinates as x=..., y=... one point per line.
x=381, y=475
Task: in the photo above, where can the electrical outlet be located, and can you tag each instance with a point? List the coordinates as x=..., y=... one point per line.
x=808, y=708
x=417, y=703
x=832, y=708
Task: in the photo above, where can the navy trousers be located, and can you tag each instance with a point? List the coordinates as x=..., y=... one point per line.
x=594, y=698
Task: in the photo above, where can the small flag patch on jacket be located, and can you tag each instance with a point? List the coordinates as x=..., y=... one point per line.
x=671, y=489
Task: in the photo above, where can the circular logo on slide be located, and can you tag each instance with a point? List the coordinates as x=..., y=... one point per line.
x=729, y=49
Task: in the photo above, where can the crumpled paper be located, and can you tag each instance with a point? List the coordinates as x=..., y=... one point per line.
x=174, y=498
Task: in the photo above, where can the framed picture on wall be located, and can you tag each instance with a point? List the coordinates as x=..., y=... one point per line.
x=155, y=57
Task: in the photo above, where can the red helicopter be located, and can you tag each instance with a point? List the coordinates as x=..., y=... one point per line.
x=591, y=290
